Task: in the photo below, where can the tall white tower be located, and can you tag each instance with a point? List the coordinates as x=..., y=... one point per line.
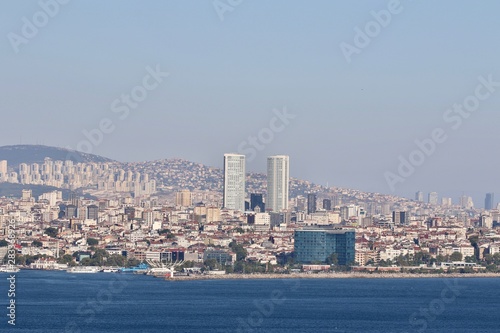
x=433, y=198
x=278, y=176
x=234, y=182
x=3, y=171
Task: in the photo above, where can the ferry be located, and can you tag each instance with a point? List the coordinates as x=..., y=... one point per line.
x=83, y=269
x=141, y=268
x=110, y=269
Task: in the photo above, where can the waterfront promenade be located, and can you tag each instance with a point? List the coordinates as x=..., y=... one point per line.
x=353, y=275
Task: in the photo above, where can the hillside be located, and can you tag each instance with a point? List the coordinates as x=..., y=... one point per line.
x=170, y=174
x=36, y=154
x=15, y=190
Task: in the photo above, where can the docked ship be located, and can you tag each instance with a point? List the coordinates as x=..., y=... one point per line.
x=141, y=268
x=83, y=269
x=110, y=269
x=9, y=269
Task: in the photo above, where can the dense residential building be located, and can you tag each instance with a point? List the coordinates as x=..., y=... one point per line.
x=278, y=178
x=184, y=198
x=234, y=182
x=311, y=203
x=222, y=257
x=316, y=245
x=489, y=201
x=433, y=198
x=105, y=176
x=163, y=225
x=399, y=218
x=327, y=204
x=71, y=211
x=446, y=202
x=466, y=202
x=93, y=212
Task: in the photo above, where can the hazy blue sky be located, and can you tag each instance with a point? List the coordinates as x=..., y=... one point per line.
x=353, y=120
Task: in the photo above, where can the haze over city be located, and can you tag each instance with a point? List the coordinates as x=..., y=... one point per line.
x=354, y=114
x=249, y=166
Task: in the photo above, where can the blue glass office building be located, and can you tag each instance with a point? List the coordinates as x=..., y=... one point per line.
x=317, y=244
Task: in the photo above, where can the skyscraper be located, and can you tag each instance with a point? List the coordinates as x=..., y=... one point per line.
x=466, y=202
x=419, y=196
x=433, y=198
x=257, y=201
x=311, y=203
x=234, y=182
x=278, y=175
x=327, y=204
x=489, y=201
x=3, y=171
x=446, y=202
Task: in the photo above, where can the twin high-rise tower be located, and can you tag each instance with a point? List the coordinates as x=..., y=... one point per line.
x=278, y=176
x=234, y=182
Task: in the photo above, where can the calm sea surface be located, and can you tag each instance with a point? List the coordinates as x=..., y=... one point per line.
x=103, y=302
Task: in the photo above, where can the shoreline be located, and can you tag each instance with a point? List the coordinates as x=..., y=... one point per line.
x=346, y=275
x=332, y=276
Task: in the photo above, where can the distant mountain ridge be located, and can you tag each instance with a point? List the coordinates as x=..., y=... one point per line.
x=37, y=153
x=172, y=173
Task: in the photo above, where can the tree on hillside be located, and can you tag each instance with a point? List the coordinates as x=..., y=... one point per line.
x=132, y=262
x=116, y=260
x=51, y=232
x=65, y=259
x=211, y=264
x=36, y=243
x=456, y=256
x=92, y=241
x=470, y=259
x=441, y=258
x=239, y=230
x=240, y=251
x=99, y=256
x=474, y=242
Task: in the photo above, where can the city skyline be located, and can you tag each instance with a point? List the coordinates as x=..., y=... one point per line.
x=278, y=178
x=259, y=153
x=371, y=100
x=38, y=173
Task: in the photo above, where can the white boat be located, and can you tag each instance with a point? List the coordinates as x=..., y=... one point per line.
x=9, y=269
x=158, y=271
x=110, y=270
x=83, y=269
